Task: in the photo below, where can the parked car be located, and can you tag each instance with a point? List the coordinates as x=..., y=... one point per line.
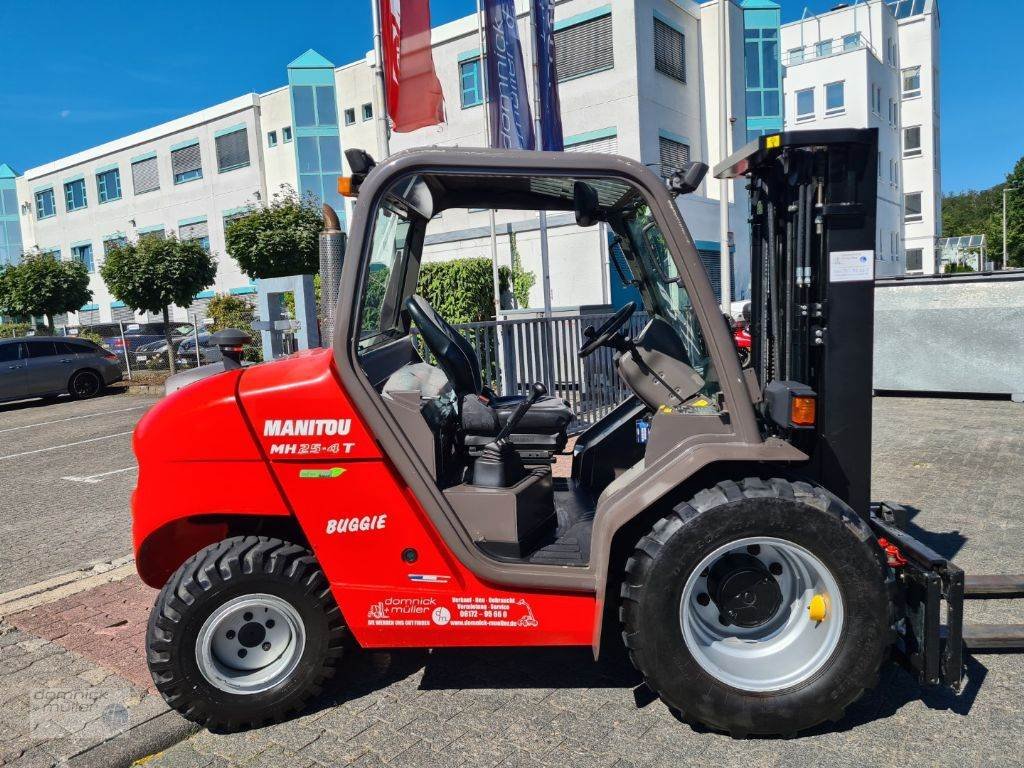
x=49, y=366
x=136, y=334
x=208, y=351
x=156, y=350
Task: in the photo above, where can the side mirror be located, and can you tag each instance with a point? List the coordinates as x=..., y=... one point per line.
x=359, y=161
x=231, y=342
x=686, y=182
x=586, y=204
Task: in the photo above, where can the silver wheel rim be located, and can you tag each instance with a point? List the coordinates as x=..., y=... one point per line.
x=250, y=644
x=786, y=650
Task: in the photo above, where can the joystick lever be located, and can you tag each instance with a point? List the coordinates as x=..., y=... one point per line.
x=537, y=391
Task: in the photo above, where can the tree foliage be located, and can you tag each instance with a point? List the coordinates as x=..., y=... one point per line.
x=155, y=272
x=980, y=212
x=229, y=311
x=42, y=286
x=277, y=239
x=462, y=290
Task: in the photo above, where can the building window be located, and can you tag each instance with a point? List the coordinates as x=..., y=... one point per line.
x=271, y=138
x=350, y=116
x=197, y=231
x=232, y=150
x=912, y=141
x=113, y=242
x=890, y=56
x=314, y=105
x=911, y=82
x=45, y=204
x=912, y=206
x=796, y=56
x=186, y=163
x=469, y=83
x=74, y=195
x=367, y=111
x=108, y=185
x=156, y=232
x=145, y=176
x=761, y=62
x=851, y=42
x=286, y=134
x=674, y=155
x=669, y=51
x=606, y=141
x=915, y=259
x=805, y=104
x=824, y=48
x=835, y=98
x=584, y=48
x=83, y=253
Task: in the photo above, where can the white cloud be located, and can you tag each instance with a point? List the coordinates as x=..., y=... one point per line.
x=65, y=113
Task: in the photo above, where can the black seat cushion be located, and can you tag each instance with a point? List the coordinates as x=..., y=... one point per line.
x=548, y=416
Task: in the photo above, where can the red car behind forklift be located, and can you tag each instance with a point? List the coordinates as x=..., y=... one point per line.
x=359, y=497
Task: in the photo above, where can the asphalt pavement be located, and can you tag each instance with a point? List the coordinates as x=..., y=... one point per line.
x=66, y=476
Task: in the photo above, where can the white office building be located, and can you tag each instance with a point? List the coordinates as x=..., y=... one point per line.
x=874, y=64
x=637, y=78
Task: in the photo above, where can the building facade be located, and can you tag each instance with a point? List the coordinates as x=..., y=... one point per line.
x=874, y=64
x=636, y=78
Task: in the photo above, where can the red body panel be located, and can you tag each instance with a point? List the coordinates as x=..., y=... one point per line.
x=393, y=578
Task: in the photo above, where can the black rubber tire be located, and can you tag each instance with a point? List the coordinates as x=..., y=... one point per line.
x=799, y=512
x=214, y=575
x=84, y=393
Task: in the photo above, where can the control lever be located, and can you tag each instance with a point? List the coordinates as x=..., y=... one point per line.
x=537, y=391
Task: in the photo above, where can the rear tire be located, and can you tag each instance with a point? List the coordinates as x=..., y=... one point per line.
x=85, y=384
x=749, y=680
x=245, y=596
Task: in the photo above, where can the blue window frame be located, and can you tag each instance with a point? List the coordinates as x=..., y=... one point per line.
x=83, y=253
x=46, y=205
x=108, y=185
x=314, y=105
x=469, y=83
x=74, y=195
x=326, y=107
x=851, y=42
x=824, y=48
x=805, y=104
x=761, y=60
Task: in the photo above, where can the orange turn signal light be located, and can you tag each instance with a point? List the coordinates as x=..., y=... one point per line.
x=803, y=410
x=345, y=186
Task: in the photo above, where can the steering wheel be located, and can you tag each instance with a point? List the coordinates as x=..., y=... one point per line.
x=611, y=326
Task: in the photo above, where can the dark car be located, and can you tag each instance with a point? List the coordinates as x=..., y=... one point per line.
x=136, y=334
x=48, y=366
x=155, y=352
x=209, y=352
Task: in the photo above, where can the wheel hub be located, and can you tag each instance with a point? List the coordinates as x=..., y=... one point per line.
x=744, y=590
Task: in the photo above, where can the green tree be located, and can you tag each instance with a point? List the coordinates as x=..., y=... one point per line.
x=980, y=212
x=229, y=311
x=278, y=239
x=155, y=272
x=1014, y=215
x=42, y=286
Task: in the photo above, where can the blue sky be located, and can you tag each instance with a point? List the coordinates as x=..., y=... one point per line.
x=77, y=74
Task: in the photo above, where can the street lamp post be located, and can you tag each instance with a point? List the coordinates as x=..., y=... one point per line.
x=1005, y=190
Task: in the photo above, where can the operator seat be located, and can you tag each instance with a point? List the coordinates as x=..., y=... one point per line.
x=482, y=414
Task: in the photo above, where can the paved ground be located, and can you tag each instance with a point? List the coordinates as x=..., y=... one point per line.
x=52, y=524
x=961, y=463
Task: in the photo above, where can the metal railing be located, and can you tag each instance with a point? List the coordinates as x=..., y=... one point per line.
x=516, y=353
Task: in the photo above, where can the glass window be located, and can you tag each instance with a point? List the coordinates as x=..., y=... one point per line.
x=40, y=348
x=754, y=108
x=309, y=157
x=271, y=138
x=9, y=352
x=835, y=98
x=187, y=163
x=851, y=42
x=805, y=104
x=912, y=206
x=915, y=259
x=770, y=63
x=772, y=103
x=302, y=99
x=286, y=134
x=330, y=154
x=232, y=150
x=824, y=48
x=469, y=83
x=388, y=264
x=83, y=253
x=145, y=175
x=326, y=109
x=367, y=111
x=350, y=116
x=911, y=82
x=108, y=185
x=74, y=195
x=796, y=55
x=912, y=141
x=669, y=51
x=584, y=48
x=45, y=205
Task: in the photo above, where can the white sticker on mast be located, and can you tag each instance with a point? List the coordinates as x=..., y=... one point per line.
x=851, y=266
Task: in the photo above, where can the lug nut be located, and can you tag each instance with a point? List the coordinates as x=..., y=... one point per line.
x=775, y=569
x=247, y=616
x=265, y=646
x=270, y=623
x=703, y=598
x=754, y=549
x=242, y=653
x=230, y=634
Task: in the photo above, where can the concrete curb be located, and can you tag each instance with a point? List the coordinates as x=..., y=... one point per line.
x=57, y=587
x=141, y=741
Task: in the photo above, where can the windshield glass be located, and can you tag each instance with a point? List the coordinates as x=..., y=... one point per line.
x=669, y=298
x=388, y=261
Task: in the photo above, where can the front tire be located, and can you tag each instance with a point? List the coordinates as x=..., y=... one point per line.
x=246, y=632
x=85, y=384
x=798, y=640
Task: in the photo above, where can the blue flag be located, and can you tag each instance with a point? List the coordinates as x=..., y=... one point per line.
x=547, y=75
x=511, y=119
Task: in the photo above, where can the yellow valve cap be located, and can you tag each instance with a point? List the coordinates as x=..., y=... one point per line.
x=818, y=608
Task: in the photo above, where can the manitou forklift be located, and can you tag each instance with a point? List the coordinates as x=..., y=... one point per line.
x=380, y=494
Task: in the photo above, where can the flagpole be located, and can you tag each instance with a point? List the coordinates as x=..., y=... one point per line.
x=487, y=143
x=545, y=266
x=379, y=90
x=723, y=117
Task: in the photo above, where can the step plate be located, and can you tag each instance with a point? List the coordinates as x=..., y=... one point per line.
x=993, y=586
x=994, y=637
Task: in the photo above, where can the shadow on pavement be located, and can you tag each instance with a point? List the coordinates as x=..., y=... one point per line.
x=946, y=544
x=42, y=402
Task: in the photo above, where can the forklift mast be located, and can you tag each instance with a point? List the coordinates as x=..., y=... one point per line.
x=812, y=214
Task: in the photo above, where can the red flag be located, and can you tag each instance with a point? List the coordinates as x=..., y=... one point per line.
x=414, y=95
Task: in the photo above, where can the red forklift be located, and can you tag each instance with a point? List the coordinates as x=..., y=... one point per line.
x=380, y=494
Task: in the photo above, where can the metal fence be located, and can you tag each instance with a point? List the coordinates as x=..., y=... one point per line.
x=514, y=354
